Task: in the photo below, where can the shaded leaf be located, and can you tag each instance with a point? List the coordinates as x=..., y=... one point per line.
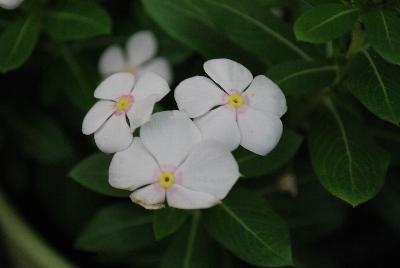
x=167, y=221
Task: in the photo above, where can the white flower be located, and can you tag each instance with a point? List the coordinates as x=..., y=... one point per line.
x=247, y=111
x=10, y=4
x=141, y=49
x=121, y=99
x=169, y=161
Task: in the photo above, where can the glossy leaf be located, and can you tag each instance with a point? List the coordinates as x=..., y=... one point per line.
x=191, y=248
x=383, y=32
x=349, y=165
x=299, y=77
x=246, y=225
x=325, y=22
x=252, y=28
x=252, y=165
x=118, y=228
x=75, y=20
x=167, y=221
x=17, y=43
x=92, y=173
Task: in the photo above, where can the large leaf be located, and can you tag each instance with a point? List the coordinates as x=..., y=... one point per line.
x=347, y=162
x=77, y=20
x=299, y=77
x=17, y=43
x=325, y=22
x=167, y=221
x=383, y=32
x=252, y=165
x=254, y=29
x=246, y=225
x=376, y=84
x=191, y=248
x=118, y=228
x=92, y=173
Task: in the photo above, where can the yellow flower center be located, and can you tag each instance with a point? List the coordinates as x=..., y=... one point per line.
x=166, y=179
x=130, y=69
x=123, y=104
x=236, y=100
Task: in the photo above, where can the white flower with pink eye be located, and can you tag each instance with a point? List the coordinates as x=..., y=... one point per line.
x=170, y=162
x=10, y=4
x=242, y=110
x=141, y=49
x=122, y=100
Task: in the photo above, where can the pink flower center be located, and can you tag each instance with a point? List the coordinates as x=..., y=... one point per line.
x=123, y=104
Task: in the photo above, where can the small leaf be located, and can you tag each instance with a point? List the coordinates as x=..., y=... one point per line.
x=325, y=22
x=17, y=43
x=118, y=228
x=349, y=165
x=92, y=173
x=299, y=77
x=383, y=32
x=376, y=84
x=76, y=20
x=321, y=2
x=245, y=224
x=252, y=165
x=167, y=221
x=191, y=248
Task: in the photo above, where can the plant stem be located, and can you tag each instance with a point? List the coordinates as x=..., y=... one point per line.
x=357, y=40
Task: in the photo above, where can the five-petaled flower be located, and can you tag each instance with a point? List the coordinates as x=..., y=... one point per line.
x=247, y=111
x=122, y=100
x=141, y=49
x=10, y=4
x=170, y=161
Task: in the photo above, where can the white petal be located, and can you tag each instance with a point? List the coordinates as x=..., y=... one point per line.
x=197, y=95
x=220, y=124
x=170, y=136
x=141, y=47
x=158, y=66
x=10, y=4
x=114, y=136
x=264, y=95
x=209, y=168
x=133, y=167
x=149, y=197
x=183, y=198
x=260, y=132
x=150, y=84
x=96, y=116
x=111, y=61
x=115, y=86
x=141, y=111
x=229, y=74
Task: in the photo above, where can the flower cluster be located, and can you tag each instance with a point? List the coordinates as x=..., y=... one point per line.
x=187, y=163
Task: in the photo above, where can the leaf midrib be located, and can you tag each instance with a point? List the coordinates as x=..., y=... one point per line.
x=385, y=26
x=343, y=13
x=308, y=71
x=76, y=17
x=191, y=239
x=266, y=29
x=19, y=38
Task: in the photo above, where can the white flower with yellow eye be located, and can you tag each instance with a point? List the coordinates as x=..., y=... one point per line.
x=245, y=111
x=10, y=4
x=122, y=100
x=170, y=162
x=141, y=49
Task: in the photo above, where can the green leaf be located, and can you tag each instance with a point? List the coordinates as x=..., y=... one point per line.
x=179, y=19
x=324, y=23
x=76, y=20
x=252, y=165
x=167, y=221
x=118, y=228
x=251, y=27
x=383, y=32
x=376, y=84
x=191, y=248
x=349, y=165
x=92, y=173
x=246, y=225
x=299, y=77
x=321, y=2
x=17, y=43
